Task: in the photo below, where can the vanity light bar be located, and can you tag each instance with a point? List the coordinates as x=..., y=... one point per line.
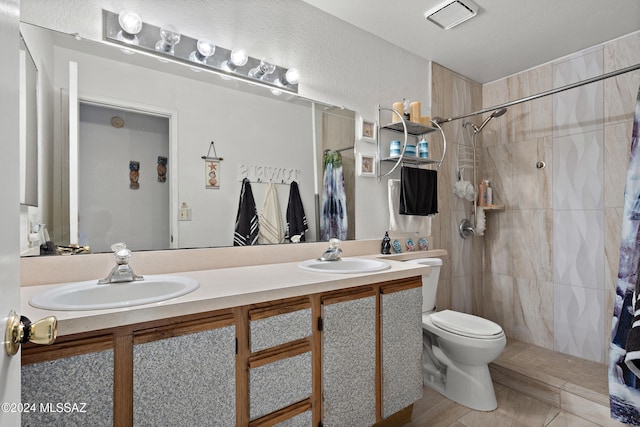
x=150, y=34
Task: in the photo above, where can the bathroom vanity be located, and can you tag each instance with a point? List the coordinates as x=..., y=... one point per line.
x=258, y=345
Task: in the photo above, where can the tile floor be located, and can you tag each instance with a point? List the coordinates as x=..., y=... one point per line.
x=535, y=387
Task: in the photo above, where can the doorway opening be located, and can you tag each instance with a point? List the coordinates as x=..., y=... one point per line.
x=123, y=183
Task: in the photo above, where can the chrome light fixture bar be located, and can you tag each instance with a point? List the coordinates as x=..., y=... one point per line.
x=193, y=52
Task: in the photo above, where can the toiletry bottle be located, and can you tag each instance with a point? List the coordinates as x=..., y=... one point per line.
x=489, y=195
x=385, y=247
x=482, y=193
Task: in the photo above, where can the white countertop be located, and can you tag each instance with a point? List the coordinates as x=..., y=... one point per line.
x=220, y=289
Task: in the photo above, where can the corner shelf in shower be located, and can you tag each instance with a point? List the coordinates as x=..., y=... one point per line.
x=407, y=128
x=493, y=208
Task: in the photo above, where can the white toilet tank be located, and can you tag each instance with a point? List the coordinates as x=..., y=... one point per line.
x=429, y=283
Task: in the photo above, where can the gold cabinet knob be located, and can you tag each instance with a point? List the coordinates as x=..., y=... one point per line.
x=20, y=329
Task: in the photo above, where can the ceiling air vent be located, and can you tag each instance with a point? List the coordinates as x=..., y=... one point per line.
x=451, y=13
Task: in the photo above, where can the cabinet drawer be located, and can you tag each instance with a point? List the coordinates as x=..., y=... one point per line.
x=278, y=384
x=277, y=325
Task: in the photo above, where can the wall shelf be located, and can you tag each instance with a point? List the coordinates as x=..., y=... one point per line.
x=407, y=128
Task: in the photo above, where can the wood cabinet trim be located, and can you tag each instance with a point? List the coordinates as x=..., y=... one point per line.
x=342, y=296
x=280, y=352
x=282, y=414
x=401, y=285
x=67, y=347
x=264, y=310
x=183, y=328
x=123, y=380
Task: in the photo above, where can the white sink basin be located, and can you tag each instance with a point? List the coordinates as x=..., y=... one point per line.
x=91, y=296
x=345, y=265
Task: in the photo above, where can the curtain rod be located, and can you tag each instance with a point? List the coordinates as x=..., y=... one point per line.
x=541, y=94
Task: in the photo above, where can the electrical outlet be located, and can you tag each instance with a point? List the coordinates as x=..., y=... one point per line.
x=185, y=213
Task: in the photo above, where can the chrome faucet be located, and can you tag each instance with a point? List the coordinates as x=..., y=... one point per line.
x=122, y=272
x=333, y=251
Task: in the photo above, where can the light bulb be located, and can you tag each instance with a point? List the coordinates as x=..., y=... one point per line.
x=204, y=49
x=131, y=24
x=265, y=68
x=170, y=37
x=237, y=58
x=276, y=92
x=292, y=76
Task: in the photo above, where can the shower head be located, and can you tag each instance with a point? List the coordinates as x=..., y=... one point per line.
x=496, y=113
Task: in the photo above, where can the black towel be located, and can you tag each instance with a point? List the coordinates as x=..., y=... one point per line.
x=418, y=191
x=246, y=232
x=296, y=219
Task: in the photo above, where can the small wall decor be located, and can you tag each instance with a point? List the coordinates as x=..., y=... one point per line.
x=212, y=174
x=162, y=169
x=366, y=164
x=134, y=174
x=212, y=168
x=264, y=173
x=366, y=130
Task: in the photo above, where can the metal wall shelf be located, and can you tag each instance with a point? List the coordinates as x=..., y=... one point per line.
x=407, y=128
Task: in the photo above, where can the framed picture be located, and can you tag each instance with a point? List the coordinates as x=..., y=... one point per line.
x=212, y=174
x=366, y=130
x=366, y=164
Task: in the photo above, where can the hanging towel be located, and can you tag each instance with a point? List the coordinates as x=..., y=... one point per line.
x=247, y=228
x=270, y=219
x=624, y=350
x=405, y=223
x=333, y=223
x=418, y=191
x=296, y=219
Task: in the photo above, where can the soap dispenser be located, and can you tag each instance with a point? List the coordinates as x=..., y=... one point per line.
x=385, y=247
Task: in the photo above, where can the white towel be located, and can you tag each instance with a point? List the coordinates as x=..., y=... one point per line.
x=405, y=223
x=270, y=218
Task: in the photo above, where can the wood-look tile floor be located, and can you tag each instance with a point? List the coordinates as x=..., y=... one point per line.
x=559, y=371
x=514, y=409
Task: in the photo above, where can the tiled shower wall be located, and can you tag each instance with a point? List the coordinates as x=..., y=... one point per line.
x=551, y=258
x=460, y=281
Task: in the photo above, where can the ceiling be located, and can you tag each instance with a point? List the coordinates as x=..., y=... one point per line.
x=505, y=37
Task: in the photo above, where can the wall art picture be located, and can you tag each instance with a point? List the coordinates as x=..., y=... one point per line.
x=212, y=174
x=366, y=130
x=134, y=174
x=162, y=169
x=366, y=165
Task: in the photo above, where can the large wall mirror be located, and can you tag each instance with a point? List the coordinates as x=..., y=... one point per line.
x=112, y=112
x=28, y=127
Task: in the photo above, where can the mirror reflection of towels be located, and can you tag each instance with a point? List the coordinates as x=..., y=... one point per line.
x=418, y=191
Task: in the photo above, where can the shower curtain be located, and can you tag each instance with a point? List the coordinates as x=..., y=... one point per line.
x=624, y=386
x=333, y=222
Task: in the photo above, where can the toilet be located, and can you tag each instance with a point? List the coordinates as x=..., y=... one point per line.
x=457, y=348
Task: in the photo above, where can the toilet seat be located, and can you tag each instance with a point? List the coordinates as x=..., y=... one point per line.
x=466, y=325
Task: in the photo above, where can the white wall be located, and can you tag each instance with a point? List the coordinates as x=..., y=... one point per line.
x=339, y=64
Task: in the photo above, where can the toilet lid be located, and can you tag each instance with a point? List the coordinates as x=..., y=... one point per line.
x=466, y=324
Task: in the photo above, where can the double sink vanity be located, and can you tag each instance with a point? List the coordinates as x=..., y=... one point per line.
x=265, y=338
